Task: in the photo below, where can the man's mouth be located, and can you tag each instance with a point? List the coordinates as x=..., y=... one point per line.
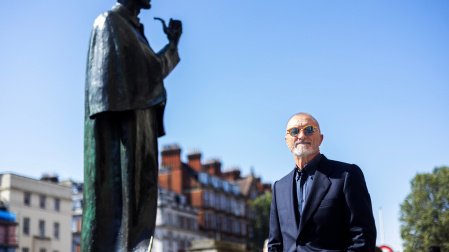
x=298, y=142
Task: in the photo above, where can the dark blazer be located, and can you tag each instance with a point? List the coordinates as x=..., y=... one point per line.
x=337, y=214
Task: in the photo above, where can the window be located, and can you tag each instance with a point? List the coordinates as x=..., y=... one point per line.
x=207, y=220
x=76, y=224
x=213, y=221
x=194, y=223
x=42, y=250
x=222, y=202
x=168, y=219
x=217, y=201
x=56, y=230
x=175, y=220
x=243, y=228
x=206, y=198
x=41, y=228
x=26, y=226
x=179, y=243
x=182, y=200
x=170, y=235
x=242, y=208
x=226, y=186
x=27, y=198
x=211, y=199
x=181, y=221
x=25, y=250
x=236, y=227
x=203, y=178
x=57, y=203
x=234, y=206
x=224, y=224
x=220, y=223
x=216, y=182
x=77, y=204
x=235, y=189
x=42, y=201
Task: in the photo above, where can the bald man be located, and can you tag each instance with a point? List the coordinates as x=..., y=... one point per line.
x=321, y=205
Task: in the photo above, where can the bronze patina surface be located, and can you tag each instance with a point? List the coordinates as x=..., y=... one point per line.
x=124, y=106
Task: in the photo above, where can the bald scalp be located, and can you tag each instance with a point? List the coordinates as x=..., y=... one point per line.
x=304, y=114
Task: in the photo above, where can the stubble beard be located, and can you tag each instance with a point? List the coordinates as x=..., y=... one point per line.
x=301, y=150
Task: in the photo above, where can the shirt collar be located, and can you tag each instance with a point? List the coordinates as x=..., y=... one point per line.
x=310, y=167
x=125, y=13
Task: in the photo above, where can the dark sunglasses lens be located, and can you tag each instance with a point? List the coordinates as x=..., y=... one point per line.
x=308, y=130
x=294, y=131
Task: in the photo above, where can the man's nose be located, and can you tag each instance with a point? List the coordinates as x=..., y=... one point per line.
x=301, y=134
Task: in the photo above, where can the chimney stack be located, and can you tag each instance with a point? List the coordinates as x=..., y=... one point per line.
x=213, y=167
x=171, y=156
x=195, y=160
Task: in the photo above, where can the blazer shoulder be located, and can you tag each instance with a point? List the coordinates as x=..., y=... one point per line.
x=331, y=166
x=285, y=180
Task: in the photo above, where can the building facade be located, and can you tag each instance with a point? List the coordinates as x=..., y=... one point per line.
x=176, y=223
x=221, y=197
x=43, y=212
x=77, y=212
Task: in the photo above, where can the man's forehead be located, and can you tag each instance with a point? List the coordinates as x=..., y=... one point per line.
x=301, y=120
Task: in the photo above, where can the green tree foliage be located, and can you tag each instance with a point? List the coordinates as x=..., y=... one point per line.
x=425, y=212
x=261, y=221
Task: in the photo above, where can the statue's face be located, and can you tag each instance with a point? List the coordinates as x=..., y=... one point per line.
x=144, y=4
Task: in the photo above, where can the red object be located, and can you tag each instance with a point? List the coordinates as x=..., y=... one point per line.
x=386, y=247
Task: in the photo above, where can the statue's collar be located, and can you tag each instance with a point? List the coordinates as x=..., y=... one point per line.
x=127, y=14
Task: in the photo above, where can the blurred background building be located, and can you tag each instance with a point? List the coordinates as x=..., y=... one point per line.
x=43, y=210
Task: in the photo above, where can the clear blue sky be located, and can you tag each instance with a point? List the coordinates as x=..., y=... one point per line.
x=374, y=73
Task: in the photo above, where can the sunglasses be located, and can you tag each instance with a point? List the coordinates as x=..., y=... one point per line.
x=308, y=130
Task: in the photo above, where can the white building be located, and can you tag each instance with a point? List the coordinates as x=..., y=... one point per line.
x=77, y=212
x=43, y=211
x=176, y=223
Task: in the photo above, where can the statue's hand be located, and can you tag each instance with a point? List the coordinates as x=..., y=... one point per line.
x=174, y=31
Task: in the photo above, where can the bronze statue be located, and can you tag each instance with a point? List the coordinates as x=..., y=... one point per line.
x=125, y=101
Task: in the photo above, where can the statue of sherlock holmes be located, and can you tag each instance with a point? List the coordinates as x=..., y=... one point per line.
x=125, y=101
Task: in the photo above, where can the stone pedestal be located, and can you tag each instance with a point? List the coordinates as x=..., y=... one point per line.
x=211, y=245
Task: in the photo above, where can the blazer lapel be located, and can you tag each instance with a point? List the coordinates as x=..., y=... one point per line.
x=289, y=202
x=319, y=188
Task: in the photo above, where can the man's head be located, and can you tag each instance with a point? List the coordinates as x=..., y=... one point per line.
x=303, y=143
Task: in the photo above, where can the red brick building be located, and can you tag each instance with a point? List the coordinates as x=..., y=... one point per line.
x=221, y=197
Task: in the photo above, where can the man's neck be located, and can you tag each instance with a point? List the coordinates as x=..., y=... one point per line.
x=302, y=161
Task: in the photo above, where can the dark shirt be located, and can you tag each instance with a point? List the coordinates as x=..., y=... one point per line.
x=303, y=181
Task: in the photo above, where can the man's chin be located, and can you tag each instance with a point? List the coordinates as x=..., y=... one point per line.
x=302, y=153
